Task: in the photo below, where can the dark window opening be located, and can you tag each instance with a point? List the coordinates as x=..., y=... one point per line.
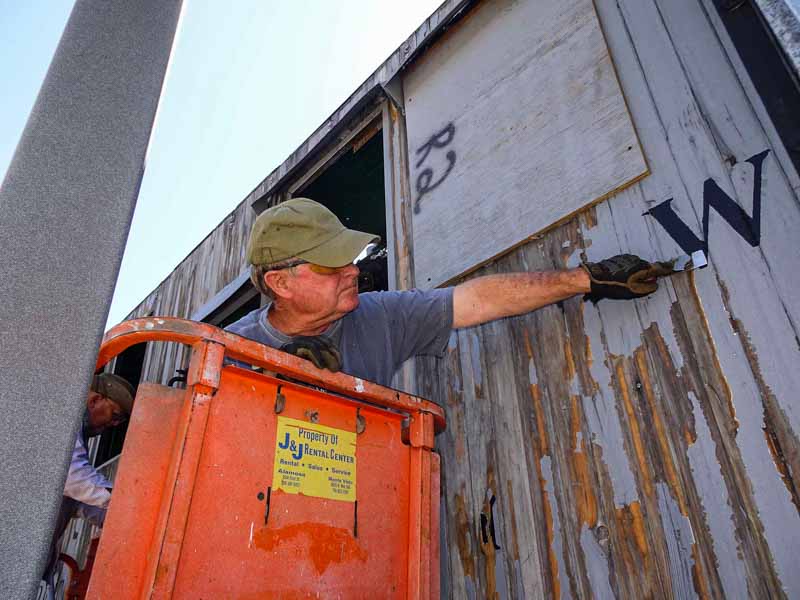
x=353, y=188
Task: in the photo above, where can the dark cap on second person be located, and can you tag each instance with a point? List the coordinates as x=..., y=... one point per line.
x=114, y=388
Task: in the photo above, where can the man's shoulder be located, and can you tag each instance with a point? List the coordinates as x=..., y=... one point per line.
x=411, y=295
x=371, y=301
x=397, y=302
x=247, y=326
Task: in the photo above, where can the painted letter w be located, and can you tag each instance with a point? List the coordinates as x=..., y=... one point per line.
x=747, y=227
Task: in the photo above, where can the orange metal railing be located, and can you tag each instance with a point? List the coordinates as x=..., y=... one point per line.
x=210, y=501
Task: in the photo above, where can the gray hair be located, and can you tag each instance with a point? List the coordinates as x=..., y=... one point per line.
x=257, y=273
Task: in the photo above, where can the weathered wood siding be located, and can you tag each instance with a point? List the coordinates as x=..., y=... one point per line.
x=214, y=263
x=643, y=449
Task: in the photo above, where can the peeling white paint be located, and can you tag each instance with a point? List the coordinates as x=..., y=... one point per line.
x=452, y=342
x=617, y=319
x=596, y=565
x=250, y=542
x=707, y=476
x=532, y=377
x=574, y=259
x=775, y=509
x=359, y=385
x=679, y=538
x=603, y=420
x=558, y=545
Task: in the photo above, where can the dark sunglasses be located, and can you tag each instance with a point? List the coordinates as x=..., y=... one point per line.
x=319, y=269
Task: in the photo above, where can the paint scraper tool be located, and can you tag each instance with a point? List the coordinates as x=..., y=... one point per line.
x=688, y=262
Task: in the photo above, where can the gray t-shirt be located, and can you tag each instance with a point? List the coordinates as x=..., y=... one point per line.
x=379, y=335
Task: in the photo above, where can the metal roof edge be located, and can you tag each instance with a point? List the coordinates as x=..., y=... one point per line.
x=784, y=21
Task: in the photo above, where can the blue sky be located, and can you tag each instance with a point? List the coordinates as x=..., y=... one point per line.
x=250, y=80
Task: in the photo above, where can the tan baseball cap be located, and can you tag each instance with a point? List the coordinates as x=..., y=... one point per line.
x=304, y=229
x=114, y=388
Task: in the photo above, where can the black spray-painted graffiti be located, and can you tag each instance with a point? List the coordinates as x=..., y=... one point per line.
x=425, y=181
x=747, y=227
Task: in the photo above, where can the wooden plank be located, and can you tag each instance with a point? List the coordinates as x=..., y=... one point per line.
x=443, y=380
x=515, y=121
x=706, y=116
x=513, y=513
x=398, y=217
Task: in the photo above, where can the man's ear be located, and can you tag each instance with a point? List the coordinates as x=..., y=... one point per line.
x=93, y=399
x=278, y=282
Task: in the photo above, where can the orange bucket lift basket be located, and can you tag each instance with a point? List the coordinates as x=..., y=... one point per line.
x=307, y=484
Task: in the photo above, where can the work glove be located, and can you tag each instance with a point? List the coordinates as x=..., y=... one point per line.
x=318, y=350
x=623, y=277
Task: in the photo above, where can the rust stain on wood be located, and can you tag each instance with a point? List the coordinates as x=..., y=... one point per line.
x=781, y=439
x=513, y=516
x=463, y=531
x=698, y=577
x=689, y=435
x=633, y=423
x=631, y=524
x=540, y=422
x=780, y=461
x=584, y=490
x=541, y=450
x=714, y=357
x=552, y=559
x=701, y=374
x=589, y=217
x=569, y=365
x=536, y=395
x=662, y=437
x=588, y=350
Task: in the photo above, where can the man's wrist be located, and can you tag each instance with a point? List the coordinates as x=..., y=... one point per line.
x=581, y=280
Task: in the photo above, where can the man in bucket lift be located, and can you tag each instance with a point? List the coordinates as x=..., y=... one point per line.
x=301, y=259
x=86, y=491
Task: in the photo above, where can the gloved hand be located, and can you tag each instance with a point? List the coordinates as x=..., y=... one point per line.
x=623, y=277
x=318, y=350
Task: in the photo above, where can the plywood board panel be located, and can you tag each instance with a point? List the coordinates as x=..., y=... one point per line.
x=515, y=121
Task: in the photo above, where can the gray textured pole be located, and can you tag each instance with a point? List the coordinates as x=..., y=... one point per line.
x=65, y=209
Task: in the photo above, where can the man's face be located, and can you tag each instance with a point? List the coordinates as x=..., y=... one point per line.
x=323, y=297
x=103, y=413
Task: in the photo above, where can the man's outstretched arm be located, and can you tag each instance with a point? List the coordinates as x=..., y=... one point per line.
x=620, y=277
x=495, y=296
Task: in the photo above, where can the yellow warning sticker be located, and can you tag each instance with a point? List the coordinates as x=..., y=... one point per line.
x=315, y=460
